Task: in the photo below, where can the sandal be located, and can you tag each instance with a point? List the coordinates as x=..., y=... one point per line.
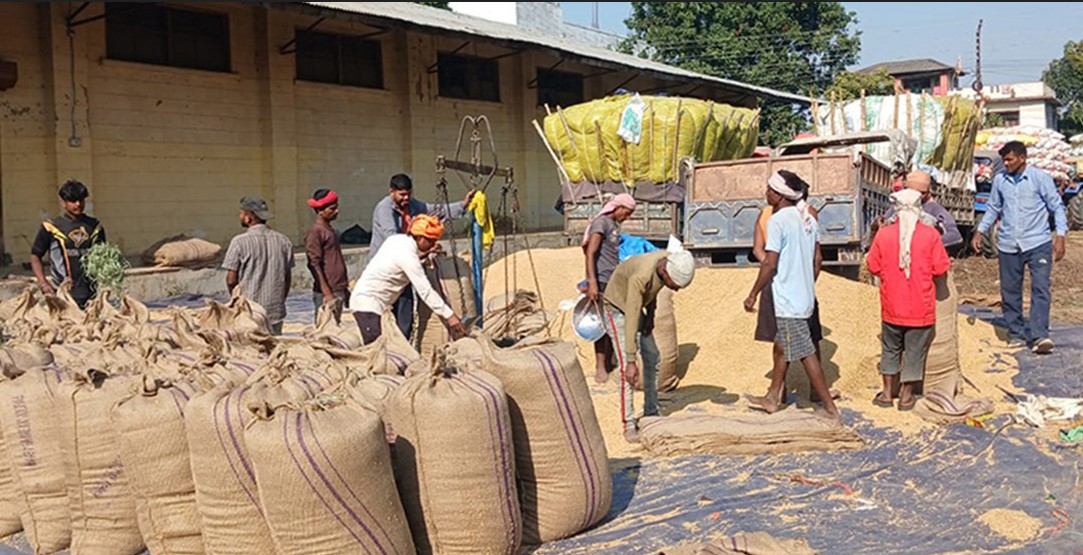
x=879, y=401
x=904, y=408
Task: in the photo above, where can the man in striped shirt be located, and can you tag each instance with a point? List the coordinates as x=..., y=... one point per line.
x=260, y=261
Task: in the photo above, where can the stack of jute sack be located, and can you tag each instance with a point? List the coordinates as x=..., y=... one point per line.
x=203, y=433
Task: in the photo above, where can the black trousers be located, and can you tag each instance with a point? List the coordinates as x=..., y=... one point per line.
x=403, y=309
x=370, y=326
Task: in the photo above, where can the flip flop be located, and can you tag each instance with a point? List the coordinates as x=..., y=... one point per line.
x=878, y=401
x=904, y=408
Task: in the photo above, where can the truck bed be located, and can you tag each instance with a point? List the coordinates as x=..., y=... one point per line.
x=725, y=199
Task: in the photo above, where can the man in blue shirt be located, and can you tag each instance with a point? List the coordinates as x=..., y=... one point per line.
x=1022, y=199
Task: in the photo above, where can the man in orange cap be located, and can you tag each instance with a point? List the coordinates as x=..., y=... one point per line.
x=395, y=266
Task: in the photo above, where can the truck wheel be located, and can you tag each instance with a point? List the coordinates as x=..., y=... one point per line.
x=989, y=243
x=1075, y=212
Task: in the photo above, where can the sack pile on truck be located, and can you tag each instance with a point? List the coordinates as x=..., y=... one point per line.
x=945, y=129
x=1046, y=149
x=587, y=138
x=561, y=459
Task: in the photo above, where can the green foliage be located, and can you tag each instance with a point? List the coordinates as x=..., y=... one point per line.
x=104, y=264
x=1065, y=76
x=848, y=85
x=797, y=47
x=992, y=119
x=441, y=5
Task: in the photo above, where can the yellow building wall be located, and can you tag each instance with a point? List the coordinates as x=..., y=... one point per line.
x=169, y=150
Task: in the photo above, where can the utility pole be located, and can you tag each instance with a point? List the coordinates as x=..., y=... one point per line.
x=594, y=15
x=977, y=61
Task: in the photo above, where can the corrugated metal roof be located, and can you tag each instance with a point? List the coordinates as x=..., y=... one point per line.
x=410, y=14
x=903, y=67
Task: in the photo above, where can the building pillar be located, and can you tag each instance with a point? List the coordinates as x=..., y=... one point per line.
x=281, y=184
x=70, y=151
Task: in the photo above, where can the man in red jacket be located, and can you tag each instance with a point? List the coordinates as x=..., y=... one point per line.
x=906, y=255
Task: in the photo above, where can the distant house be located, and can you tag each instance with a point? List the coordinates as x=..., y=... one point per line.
x=920, y=76
x=1022, y=103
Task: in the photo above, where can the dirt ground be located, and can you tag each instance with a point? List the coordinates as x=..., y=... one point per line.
x=977, y=279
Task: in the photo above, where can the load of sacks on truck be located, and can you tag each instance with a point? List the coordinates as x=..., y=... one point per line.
x=200, y=432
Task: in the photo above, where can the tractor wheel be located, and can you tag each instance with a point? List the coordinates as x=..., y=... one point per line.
x=1075, y=212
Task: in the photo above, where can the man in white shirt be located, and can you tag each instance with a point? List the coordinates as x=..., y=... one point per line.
x=396, y=265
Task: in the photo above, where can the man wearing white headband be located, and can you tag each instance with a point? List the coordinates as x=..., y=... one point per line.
x=907, y=255
x=630, y=303
x=790, y=269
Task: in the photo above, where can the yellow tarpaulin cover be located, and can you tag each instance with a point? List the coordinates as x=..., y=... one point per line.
x=585, y=138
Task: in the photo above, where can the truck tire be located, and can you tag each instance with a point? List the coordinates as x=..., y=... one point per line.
x=989, y=243
x=1075, y=212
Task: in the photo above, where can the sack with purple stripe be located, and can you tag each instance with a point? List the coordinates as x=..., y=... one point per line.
x=226, y=493
x=149, y=424
x=323, y=469
x=103, y=515
x=455, y=462
x=561, y=459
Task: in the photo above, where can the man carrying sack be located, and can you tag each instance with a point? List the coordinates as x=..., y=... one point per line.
x=629, y=320
x=397, y=265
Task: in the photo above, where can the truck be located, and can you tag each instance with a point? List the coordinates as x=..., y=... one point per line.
x=713, y=206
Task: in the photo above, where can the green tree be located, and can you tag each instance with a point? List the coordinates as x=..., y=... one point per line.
x=848, y=85
x=1065, y=76
x=992, y=119
x=797, y=47
x=441, y=5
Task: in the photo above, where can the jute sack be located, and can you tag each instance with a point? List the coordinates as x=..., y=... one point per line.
x=455, y=463
x=373, y=392
x=665, y=337
x=226, y=494
x=103, y=513
x=561, y=459
x=325, y=481
x=12, y=504
x=453, y=279
x=149, y=427
x=32, y=439
x=941, y=401
x=183, y=251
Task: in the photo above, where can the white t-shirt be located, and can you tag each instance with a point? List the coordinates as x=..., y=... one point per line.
x=794, y=285
x=386, y=275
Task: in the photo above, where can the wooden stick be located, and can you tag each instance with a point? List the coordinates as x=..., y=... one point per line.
x=568, y=130
x=815, y=117
x=909, y=115
x=559, y=162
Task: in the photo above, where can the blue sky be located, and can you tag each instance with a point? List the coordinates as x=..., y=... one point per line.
x=1018, y=40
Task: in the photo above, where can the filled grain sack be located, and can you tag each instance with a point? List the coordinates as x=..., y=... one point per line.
x=786, y=431
x=182, y=251
x=32, y=439
x=149, y=427
x=561, y=461
x=12, y=504
x=665, y=337
x=455, y=462
x=103, y=514
x=236, y=320
x=325, y=482
x=453, y=279
x=941, y=401
x=226, y=494
x=373, y=392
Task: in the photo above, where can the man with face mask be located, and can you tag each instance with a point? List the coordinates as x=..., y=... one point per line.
x=1022, y=199
x=395, y=214
x=260, y=261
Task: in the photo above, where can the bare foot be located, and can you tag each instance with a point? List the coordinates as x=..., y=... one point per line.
x=766, y=403
x=601, y=375
x=821, y=413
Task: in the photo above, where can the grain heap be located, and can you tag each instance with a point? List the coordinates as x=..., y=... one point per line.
x=721, y=361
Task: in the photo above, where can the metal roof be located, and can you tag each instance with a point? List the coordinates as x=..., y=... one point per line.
x=413, y=16
x=905, y=67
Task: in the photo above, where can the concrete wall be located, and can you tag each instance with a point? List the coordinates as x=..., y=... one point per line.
x=167, y=150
